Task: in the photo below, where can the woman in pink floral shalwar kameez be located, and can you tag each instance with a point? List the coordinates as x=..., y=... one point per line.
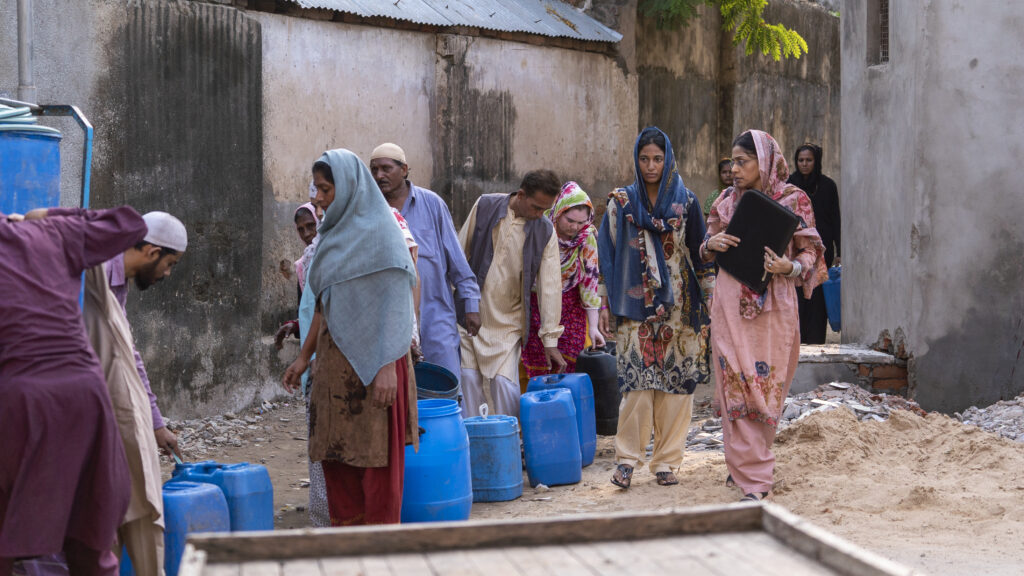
x=755, y=339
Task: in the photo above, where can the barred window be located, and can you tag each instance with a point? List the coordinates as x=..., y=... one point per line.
x=878, y=32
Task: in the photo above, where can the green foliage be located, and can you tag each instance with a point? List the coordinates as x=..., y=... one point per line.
x=672, y=13
x=745, y=17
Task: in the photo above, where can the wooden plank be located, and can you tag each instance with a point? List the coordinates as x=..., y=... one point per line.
x=340, y=567
x=469, y=563
x=492, y=562
x=261, y=568
x=304, y=567
x=547, y=560
x=702, y=552
x=831, y=550
x=609, y=557
x=220, y=570
x=771, y=556
x=678, y=556
x=409, y=565
x=590, y=555
x=376, y=566
x=379, y=540
x=192, y=562
x=683, y=554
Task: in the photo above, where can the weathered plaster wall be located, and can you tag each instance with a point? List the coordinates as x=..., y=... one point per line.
x=796, y=101
x=332, y=85
x=507, y=108
x=703, y=91
x=679, y=92
x=173, y=91
x=193, y=147
x=933, y=236
x=967, y=304
x=879, y=144
x=78, y=47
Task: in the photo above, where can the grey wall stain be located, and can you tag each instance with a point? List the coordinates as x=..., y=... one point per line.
x=473, y=154
x=193, y=147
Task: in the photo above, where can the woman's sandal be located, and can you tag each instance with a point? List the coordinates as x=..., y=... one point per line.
x=754, y=497
x=623, y=476
x=729, y=482
x=666, y=479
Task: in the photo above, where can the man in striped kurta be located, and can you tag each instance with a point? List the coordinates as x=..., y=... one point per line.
x=511, y=247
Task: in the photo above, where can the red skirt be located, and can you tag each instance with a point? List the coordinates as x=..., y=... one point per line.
x=372, y=495
x=574, y=322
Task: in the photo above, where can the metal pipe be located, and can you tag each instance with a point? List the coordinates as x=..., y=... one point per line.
x=26, y=89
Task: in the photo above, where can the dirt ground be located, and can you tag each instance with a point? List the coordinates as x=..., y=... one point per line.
x=927, y=492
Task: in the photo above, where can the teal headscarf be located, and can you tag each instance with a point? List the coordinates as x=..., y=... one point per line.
x=362, y=273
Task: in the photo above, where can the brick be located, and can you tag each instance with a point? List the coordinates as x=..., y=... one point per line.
x=889, y=384
x=889, y=371
x=864, y=369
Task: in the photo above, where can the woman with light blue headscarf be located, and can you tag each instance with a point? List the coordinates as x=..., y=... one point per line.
x=655, y=281
x=363, y=400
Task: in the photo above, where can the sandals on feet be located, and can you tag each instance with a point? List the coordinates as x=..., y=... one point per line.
x=754, y=497
x=729, y=482
x=666, y=479
x=623, y=476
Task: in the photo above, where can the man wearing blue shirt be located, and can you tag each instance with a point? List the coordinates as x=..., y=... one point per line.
x=441, y=261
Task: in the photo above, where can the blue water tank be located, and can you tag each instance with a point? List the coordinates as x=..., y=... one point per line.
x=438, y=478
x=433, y=381
x=550, y=439
x=247, y=488
x=190, y=507
x=29, y=171
x=832, y=288
x=583, y=400
x=495, y=458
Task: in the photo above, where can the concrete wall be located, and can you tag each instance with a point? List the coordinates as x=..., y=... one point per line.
x=680, y=77
x=71, y=37
x=324, y=88
x=796, y=101
x=173, y=91
x=933, y=236
x=507, y=108
x=192, y=146
x=217, y=114
x=703, y=91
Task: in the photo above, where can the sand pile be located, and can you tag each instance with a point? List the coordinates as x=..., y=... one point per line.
x=907, y=484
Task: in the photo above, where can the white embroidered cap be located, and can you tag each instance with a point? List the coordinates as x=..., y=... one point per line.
x=165, y=231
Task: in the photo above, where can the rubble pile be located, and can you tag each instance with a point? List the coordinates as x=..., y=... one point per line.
x=863, y=404
x=1005, y=418
x=198, y=437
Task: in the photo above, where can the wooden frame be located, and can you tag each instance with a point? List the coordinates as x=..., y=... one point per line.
x=215, y=554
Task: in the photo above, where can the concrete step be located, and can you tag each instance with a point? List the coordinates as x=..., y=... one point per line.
x=873, y=370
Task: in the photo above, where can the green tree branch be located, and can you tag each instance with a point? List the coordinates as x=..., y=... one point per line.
x=744, y=17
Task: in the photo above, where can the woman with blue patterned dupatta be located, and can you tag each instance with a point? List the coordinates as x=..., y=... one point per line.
x=654, y=282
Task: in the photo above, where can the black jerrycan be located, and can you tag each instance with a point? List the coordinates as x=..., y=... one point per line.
x=599, y=364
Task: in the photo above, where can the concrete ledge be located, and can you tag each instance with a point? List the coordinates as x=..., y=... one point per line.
x=830, y=353
x=870, y=369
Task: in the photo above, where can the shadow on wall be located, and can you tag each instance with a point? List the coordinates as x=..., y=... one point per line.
x=474, y=151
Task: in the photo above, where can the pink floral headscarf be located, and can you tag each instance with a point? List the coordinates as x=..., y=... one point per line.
x=774, y=171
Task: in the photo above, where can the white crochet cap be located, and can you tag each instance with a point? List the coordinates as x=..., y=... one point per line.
x=165, y=231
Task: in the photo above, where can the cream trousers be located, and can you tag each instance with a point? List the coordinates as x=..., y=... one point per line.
x=668, y=414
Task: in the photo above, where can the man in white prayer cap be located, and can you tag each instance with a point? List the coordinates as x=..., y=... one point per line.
x=147, y=263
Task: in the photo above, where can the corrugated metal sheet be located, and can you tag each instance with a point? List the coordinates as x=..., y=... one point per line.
x=543, y=17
